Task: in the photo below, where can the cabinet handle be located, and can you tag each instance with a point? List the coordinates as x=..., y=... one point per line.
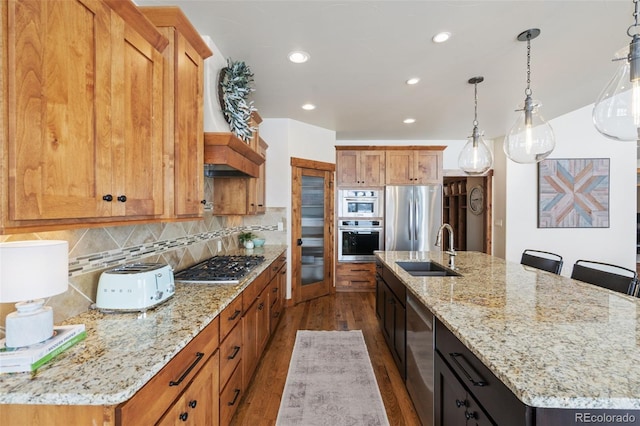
x=193, y=403
x=122, y=198
x=359, y=270
x=199, y=356
x=235, y=315
x=203, y=202
x=236, y=349
x=107, y=198
x=392, y=301
x=184, y=416
x=235, y=397
x=275, y=290
x=454, y=357
x=462, y=403
x=261, y=306
x=470, y=416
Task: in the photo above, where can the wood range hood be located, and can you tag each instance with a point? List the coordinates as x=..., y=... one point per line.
x=226, y=155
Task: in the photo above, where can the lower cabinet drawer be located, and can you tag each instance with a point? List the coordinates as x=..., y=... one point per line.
x=230, y=353
x=150, y=402
x=230, y=396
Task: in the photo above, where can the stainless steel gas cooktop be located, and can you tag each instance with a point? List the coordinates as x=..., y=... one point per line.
x=219, y=270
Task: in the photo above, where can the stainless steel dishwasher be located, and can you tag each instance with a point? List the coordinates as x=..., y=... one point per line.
x=420, y=358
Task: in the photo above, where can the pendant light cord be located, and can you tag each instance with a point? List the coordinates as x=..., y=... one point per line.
x=475, y=113
x=528, y=89
x=635, y=25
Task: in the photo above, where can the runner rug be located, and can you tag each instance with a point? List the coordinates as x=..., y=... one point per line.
x=331, y=382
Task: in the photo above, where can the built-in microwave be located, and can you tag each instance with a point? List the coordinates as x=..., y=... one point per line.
x=360, y=203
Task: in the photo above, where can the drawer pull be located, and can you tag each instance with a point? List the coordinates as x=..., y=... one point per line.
x=275, y=290
x=462, y=403
x=193, y=403
x=359, y=270
x=235, y=397
x=470, y=416
x=184, y=416
x=235, y=315
x=480, y=382
x=199, y=356
x=236, y=349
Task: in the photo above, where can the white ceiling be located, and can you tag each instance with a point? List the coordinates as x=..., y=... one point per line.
x=363, y=51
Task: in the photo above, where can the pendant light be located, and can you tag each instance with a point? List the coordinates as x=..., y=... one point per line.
x=475, y=158
x=616, y=113
x=531, y=138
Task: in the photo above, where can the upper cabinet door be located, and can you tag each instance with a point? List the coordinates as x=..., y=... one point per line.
x=414, y=167
x=58, y=107
x=137, y=144
x=360, y=168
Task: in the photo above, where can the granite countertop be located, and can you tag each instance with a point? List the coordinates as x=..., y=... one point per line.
x=553, y=341
x=123, y=351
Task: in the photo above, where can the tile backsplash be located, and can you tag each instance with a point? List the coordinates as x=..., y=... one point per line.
x=178, y=244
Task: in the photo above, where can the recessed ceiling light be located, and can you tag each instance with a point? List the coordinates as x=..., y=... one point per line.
x=409, y=120
x=413, y=80
x=441, y=37
x=298, y=56
x=308, y=107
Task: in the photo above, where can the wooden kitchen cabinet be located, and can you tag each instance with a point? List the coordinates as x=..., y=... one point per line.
x=83, y=147
x=391, y=312
x=356, y=168
x=355, y=276
x=194, y=407
x=414, y=166
x=183, y=85
x=256, y=203
x=277, y=294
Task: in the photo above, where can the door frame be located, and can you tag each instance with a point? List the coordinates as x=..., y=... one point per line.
x=297, y=164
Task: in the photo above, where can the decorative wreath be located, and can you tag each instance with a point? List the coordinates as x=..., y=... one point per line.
x=235, y=83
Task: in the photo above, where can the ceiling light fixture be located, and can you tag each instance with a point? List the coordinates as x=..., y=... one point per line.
x=616, y=113
x=308, y=107
x=409, y=120
x=412, y=81
x=475, y=158
x=531, y=138
x=298, y=56
x=441, y=37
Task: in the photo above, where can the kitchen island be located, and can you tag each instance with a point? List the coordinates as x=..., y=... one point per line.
x=123, y=352
x=562, y=347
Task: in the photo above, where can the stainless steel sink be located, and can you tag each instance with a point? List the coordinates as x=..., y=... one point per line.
x=427, y=269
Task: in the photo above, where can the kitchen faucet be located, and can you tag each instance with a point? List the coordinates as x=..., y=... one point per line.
x=451, y=252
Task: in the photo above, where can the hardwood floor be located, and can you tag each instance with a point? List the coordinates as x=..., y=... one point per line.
x=342, y=311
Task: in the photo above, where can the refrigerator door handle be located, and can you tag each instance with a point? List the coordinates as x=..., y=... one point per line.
x=411, y=219
x=417, y=219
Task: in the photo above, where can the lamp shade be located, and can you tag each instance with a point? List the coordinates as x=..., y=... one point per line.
x=33, y=269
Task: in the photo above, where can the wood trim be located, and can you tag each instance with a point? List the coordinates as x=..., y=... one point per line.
x=134, y=17
x=172, y=16
x=311, y=164
x=390, y=148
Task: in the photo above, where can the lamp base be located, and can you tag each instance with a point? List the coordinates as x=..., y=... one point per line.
x=32, y=323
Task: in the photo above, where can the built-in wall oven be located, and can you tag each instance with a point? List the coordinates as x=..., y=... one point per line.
x=358, y=239
x=360, y=203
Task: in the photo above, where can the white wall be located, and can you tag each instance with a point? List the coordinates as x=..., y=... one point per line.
x=214, y=120
x=576, y=137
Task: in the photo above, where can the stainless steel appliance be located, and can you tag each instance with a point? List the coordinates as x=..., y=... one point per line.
x=420, y=359
x=412, y=217
x=135, y=287
x=358, y=239
x=360, y=203
x=220, y=269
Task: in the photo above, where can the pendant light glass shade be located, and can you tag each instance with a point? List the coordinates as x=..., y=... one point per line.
x=531, y=138
x=616, y=113
x=475, y=158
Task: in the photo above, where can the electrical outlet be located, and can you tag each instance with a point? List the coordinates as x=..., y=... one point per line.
x=219, y=245
x=280, y=226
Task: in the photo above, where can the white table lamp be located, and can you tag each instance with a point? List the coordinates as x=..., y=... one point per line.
x=29, y=272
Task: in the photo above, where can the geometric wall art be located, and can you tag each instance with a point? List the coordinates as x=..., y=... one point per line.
x=573, y=193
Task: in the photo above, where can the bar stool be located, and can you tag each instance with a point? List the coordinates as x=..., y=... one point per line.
x=606, y=275
x=543, y=260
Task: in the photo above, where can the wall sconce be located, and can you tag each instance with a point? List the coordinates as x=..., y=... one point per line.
x=616, y=113
x=531, y=138
x=475, y=158
x=29, y=272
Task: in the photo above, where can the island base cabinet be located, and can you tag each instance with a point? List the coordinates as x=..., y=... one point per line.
x=454, y=405
x=461, y=378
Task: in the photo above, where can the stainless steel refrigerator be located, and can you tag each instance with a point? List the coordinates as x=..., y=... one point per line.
x=412, y=217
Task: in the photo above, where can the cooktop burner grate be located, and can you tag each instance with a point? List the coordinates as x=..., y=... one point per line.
x=220, y=269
